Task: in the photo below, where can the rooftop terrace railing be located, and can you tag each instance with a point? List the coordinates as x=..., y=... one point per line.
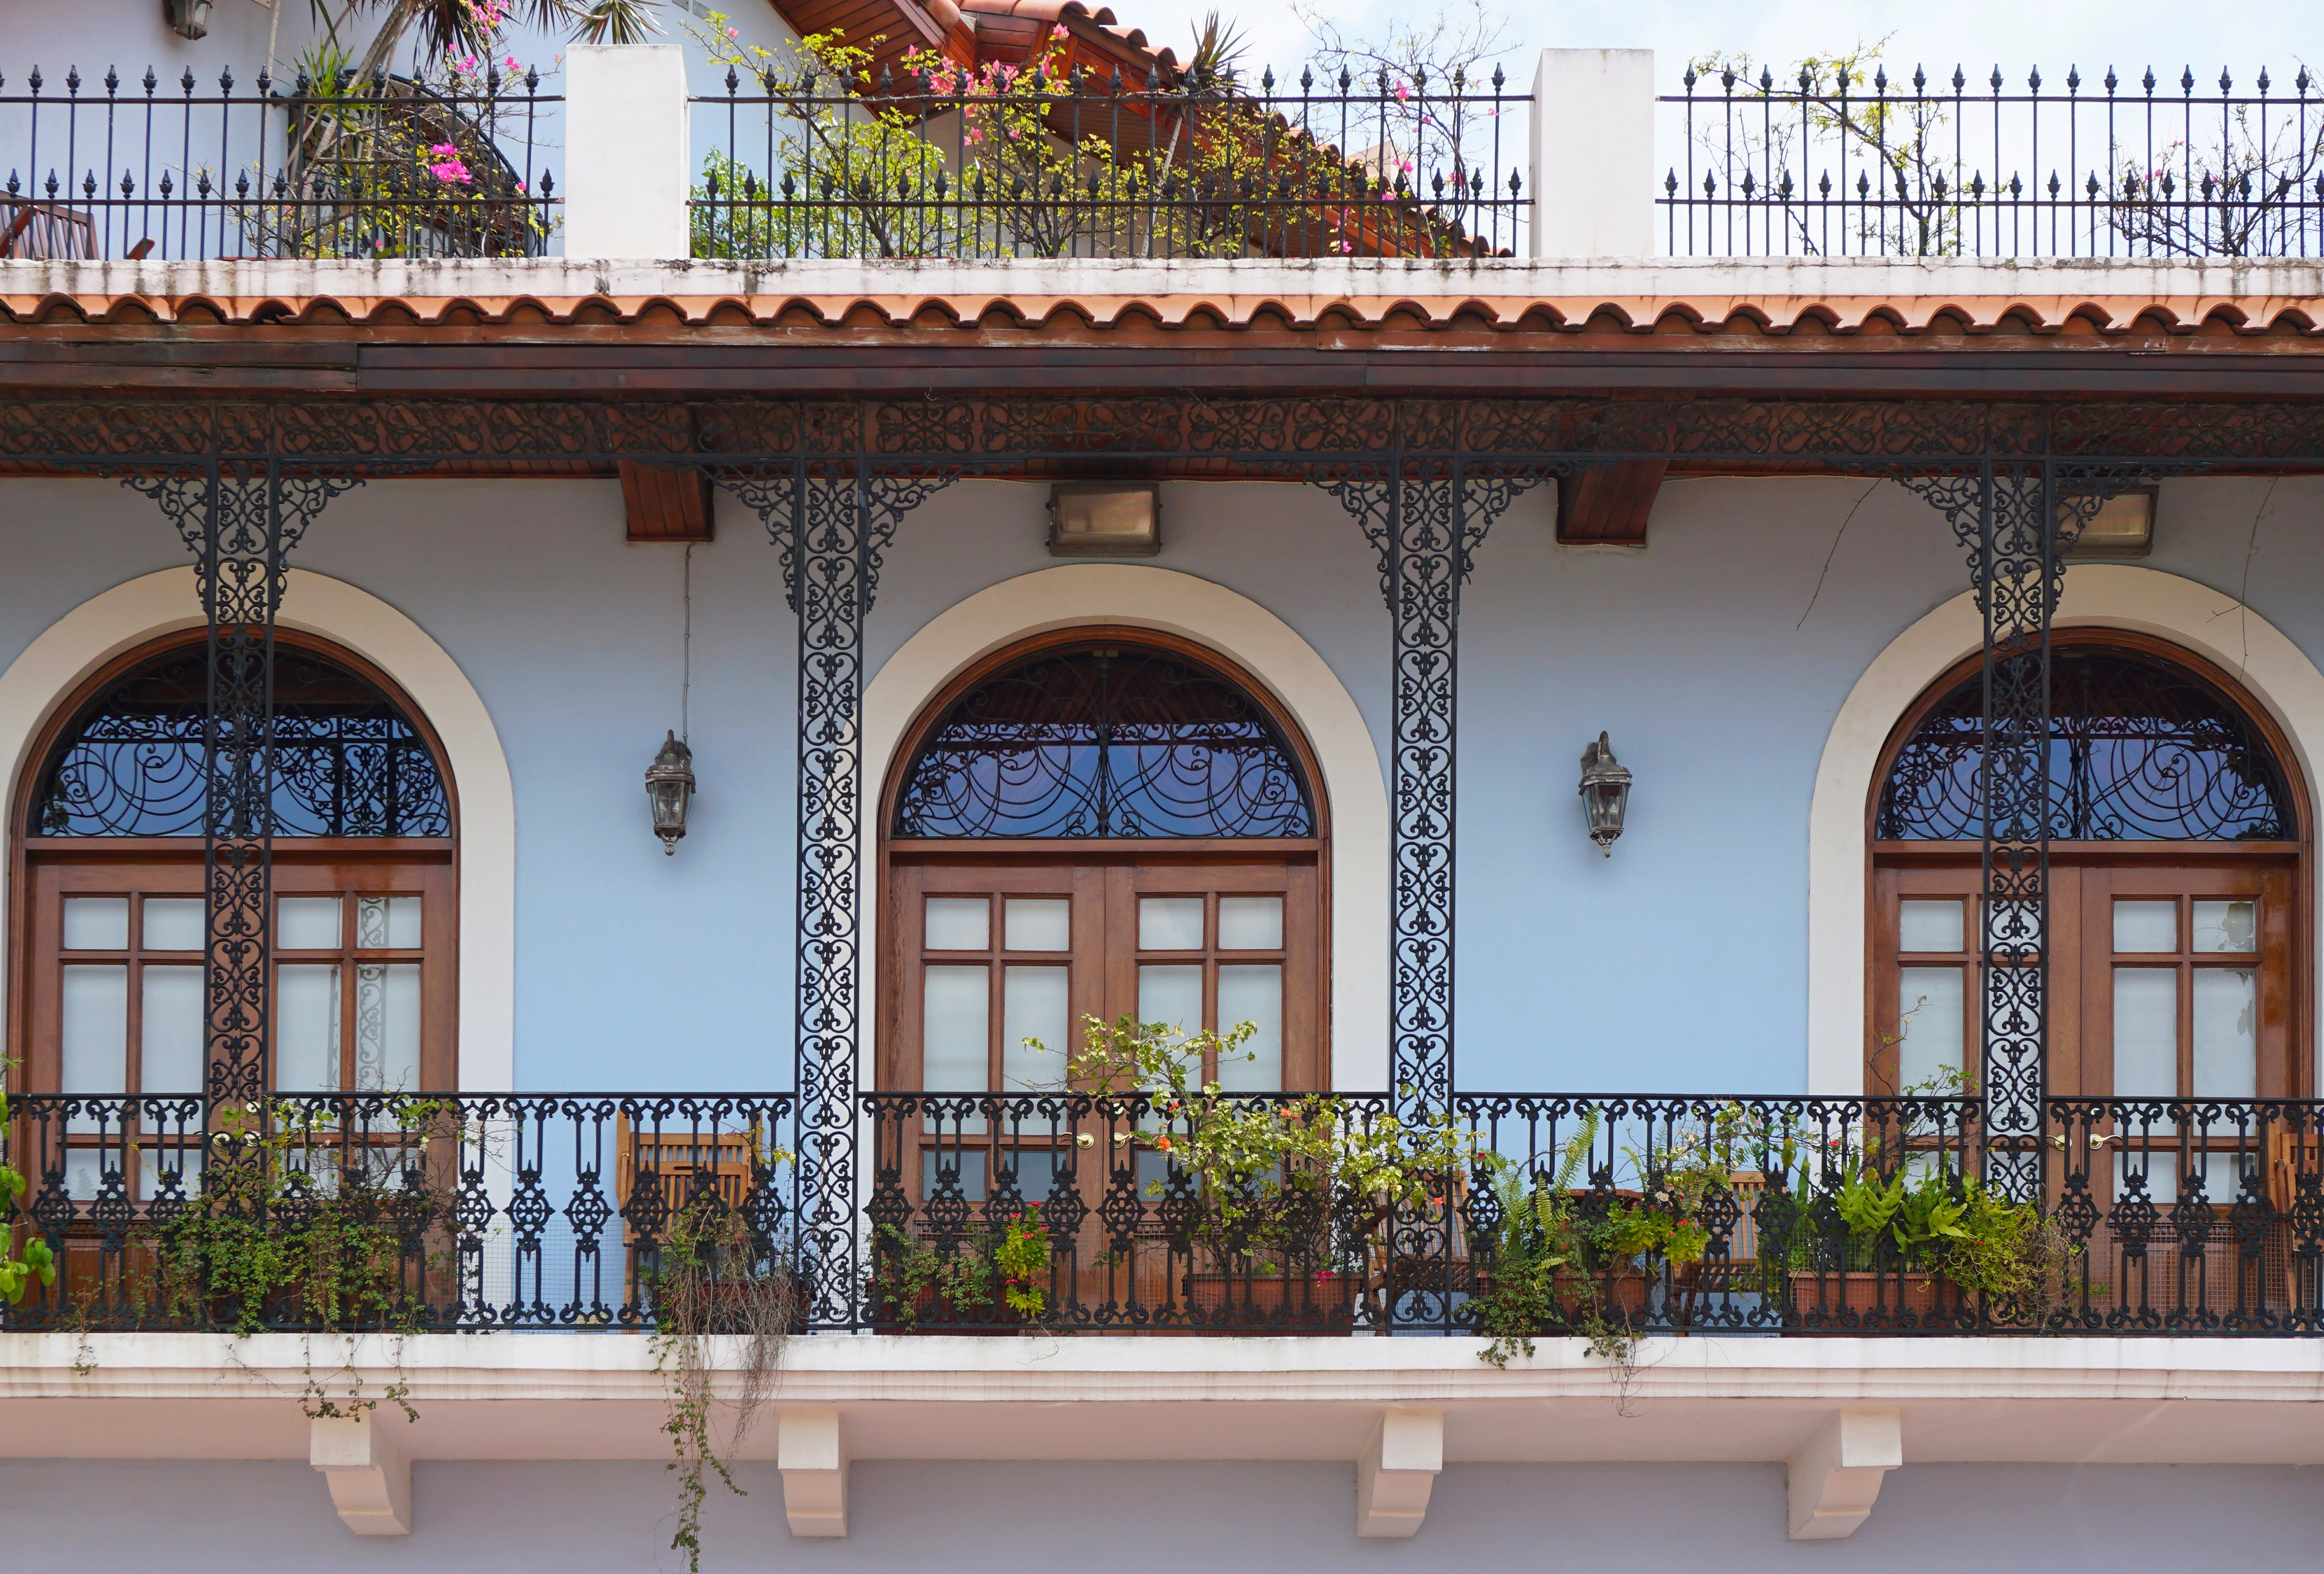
x=1539, y=1215
x=946, y=164
x=1826, y=162
x=383, y=166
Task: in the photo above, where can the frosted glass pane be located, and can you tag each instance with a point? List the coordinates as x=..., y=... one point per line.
x=306, y=923
x=173, y=923
x=389, y=924
x=1171, y=995
x=1043, y=924
x=1930, y=1006
x=2146, y=926
x=2145, y=1031
x=2227, y=1032
x=170, y=1050
x=1252, y=995
x=1169, y=923
x=2158, y=1169
x=2231, y=927
x=96, y=1029
x=953, y=1017
x=1033, y=1005
x=959, y=924
x=1250, y=923
x=155, y=1166
x=306, y=1028
x=1929, y=926
x=85, y=1171
x=96, y=923
x=387, y=1027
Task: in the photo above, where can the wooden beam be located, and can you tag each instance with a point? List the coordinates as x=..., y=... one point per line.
x=666, y=504
x=1608, y=503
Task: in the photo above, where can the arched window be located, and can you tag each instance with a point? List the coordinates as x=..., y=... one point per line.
x=2179, y=889
x=112, y=929
x=1098, y=823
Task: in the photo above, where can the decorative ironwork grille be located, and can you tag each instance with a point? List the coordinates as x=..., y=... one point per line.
x=346, y=762
x=2139, y=751
x=1112, y=741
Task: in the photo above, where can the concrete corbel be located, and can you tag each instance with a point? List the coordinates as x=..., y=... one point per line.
x=1835, y=1478
x=1398, y=1471
x=809, y=1454
x=367, y=1470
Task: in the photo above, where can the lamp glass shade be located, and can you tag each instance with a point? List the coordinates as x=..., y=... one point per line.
x=1605, y=793
x=670, y=788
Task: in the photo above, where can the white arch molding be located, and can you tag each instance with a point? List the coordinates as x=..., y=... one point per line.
x=2277, y=673
x=1253, y=638
x=56, y=664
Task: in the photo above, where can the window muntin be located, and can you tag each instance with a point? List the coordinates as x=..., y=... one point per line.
x=2139, y=751
x=2172, y=966
x=347, y=762
x=1110, y=740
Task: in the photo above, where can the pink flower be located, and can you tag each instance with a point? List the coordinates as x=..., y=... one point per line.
x=510, y=62
x=733, y=33
x=1402, y=93
x=1059, y=31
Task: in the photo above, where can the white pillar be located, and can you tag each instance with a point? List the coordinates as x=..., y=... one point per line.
x=368, y=1472
x=1593, y=153
x=1398, y=1471
x=814, y=1463
x=1836, y=1477
x=627, y=157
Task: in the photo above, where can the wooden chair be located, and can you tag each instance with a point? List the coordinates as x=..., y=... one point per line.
x=728, y=1157
x=46, y=232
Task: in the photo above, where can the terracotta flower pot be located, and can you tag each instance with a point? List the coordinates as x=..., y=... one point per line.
x=1858, y=1302
x=1321, y=1303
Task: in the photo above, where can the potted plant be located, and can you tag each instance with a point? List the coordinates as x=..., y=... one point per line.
x=1281, y=1194
x=1920, y=1246
x=997, y=1282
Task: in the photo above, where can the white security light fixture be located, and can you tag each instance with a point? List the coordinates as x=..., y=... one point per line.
x=1106, y=518
x=2123, y=527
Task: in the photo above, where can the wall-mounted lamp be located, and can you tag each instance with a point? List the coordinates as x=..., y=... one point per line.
x=2123, y=527
x=1605, y=793
x=1109, y=519
x=669, y=786
x=189, y=18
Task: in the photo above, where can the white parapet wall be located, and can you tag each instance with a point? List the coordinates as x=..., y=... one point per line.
x=1593, y=153
x=627, y=160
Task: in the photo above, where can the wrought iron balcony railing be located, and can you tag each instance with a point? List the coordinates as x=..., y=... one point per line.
x=347, y=167
x=1844, y=159
x=945, y=163
x=1517, y=1215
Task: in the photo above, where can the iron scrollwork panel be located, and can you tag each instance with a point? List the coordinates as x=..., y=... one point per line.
x=2014, y=520
x=832, y=525
x=241, y=520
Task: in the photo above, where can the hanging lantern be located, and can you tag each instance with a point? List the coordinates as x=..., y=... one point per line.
x=670, y=785
x=1605, y=793
x=188, y=18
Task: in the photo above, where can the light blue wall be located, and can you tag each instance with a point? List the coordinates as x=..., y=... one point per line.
x=496, y=1518
x=1677, y=964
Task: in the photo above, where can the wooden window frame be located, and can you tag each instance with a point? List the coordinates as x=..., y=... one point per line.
x=426, y=866
x=1096, y=860
x=1901, y=869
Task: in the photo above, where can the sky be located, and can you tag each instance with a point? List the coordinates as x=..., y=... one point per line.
x=1977, y=35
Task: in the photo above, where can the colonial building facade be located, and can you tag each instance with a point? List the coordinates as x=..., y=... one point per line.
x=1711, y=828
